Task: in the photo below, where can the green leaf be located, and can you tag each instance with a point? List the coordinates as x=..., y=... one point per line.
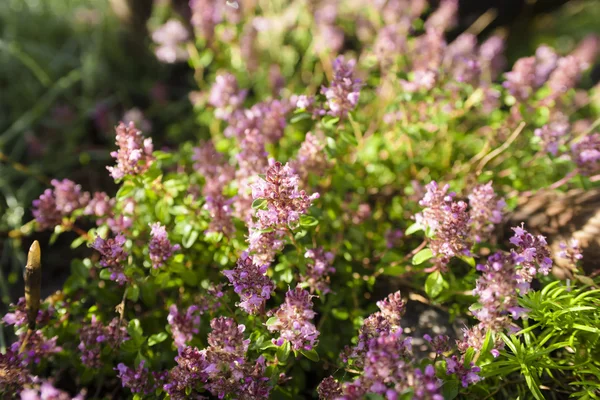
x=469, y=260
x=340, y=314
x=78, y=242
x=130, y=346
x=105, y=274
x=191, y=239
x=134, y=329
x=272, y=321
x=307, y=220
x=348, y=138
x=413, y=228
x=450, y=389
x=259, y=204
x=125, y=191
x=310, y=354
x=161, y=155
x=434, y=284
x=422, y=256
x=469, y=356
x=157, y=338
x=133, y=293
x=299, y=117
x=283, y=351
x=488, y=343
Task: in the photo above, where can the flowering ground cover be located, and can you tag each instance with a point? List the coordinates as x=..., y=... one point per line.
x=351, y=166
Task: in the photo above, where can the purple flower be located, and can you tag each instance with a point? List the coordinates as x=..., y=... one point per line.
x=460, y=59
x=386, y=365
x=428, y=50
x=206, y=14
x=285, y=203
x=384, y=321
x=160, y=247
x=15, y=371
x=393, y=238
x=564, y=77
x=586, y=154
x=329, y=389
x=444, y=17
x=222, y=366
x=530, y=251
x=44, y=211
x=95, y=335
x=427, y=386
x=264, y=246
x=37, y=348
x=568, y=251
x=187, y=373
x=294, y=321
x=134, y=156
x=220, y=211
x=62, y=201
x=448, y=221
x=18, y=317
x=439, y=344
x=521, y=80
x=467, y=375
x=208, y=162
x=251, y=284
x=311, y=157
x=112, y=256
x=390, y=42
x=226, y=96
x=553, y=134
x=100, y=206
x=343, y=93
x=491, y=56
x=318, y=269
x=183, y=326
x=47, y=391
x=137, y=380
x=169, y=37
x=546, y=59
x=485, y=211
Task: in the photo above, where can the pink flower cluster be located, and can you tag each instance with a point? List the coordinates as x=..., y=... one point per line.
x=294, y=321
x=134, y=155
x=250, y=282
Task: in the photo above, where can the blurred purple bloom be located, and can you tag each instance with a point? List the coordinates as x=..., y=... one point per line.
x=137, y=380
x=485, y=211
x=467, y=375
x=226, y=96
x=62, y=201
x=553, y=134
x=318, y=269
x=160, y=247
x=134, y=156
x=183, y=326
x=520, y=81
x=586, y=154
x=169, y=38
x=344, y=90
x=94, y=336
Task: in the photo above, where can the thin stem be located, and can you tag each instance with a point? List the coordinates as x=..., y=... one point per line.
x=500, y=149
x=291, y=236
